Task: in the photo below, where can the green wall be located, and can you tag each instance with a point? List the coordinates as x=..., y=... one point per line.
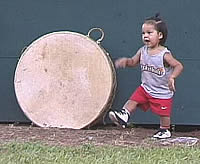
x=23, y=21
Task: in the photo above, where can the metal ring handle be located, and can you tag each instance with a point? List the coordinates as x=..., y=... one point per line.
x=97, y=29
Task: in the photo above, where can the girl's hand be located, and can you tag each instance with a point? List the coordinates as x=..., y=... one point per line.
x=171, y=84
x=121, y=63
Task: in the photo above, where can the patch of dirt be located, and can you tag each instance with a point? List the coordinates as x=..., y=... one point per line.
x=102, y=135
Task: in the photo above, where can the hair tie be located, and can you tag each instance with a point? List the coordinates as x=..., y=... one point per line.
x=157, y=15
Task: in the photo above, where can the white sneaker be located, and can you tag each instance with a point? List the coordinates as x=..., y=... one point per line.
x=162, y=134
x=119, y=118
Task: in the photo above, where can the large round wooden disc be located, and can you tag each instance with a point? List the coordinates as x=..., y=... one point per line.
x=63, y=79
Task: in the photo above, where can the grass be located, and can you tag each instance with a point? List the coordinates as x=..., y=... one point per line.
x=37, y=153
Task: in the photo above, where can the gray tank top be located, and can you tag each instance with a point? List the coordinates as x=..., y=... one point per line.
x=155, y=75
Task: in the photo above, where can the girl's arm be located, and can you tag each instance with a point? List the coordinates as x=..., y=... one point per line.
x=177, y=66
x=128, y=62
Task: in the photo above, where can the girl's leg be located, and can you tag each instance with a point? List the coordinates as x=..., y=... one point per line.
x=163, y=110
x=130, y=106
x=121, y=117
x=163, y=132
x=165, y=122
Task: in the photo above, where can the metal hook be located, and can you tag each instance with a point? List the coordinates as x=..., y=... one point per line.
x=97, y=29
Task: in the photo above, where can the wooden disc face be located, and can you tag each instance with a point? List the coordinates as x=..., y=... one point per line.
x=63, y=79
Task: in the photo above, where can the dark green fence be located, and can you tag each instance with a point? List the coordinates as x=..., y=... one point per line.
x=23, y=21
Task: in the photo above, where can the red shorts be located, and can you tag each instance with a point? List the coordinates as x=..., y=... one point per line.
x=161, y=107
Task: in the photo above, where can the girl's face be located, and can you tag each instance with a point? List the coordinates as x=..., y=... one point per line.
x=150, y=36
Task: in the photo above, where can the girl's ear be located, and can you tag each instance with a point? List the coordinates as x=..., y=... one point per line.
x=160, y=35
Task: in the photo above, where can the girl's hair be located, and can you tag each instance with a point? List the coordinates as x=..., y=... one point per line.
x=160, y=26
